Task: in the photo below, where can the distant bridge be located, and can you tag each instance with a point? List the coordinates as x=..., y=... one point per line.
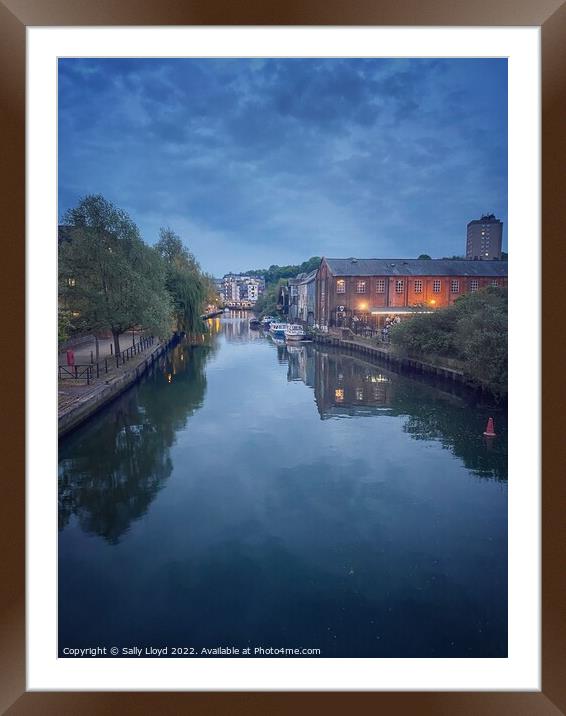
x=240, y=305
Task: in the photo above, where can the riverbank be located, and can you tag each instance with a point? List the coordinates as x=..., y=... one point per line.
x=395, y=361
x=79, y=400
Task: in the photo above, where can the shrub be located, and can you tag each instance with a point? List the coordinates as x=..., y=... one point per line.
x=473, y=330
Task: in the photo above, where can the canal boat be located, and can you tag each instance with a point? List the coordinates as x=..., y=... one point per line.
x=294, y=332
x=277, y=330
x=254, y=324
x=266, y=322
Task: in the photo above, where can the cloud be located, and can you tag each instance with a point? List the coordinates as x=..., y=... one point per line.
x=274, y=160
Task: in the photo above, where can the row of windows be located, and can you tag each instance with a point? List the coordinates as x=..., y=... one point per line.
x=361, y=286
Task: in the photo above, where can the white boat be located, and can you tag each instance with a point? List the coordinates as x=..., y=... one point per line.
x=294, y=332
x=277, y=330
x=266, y=321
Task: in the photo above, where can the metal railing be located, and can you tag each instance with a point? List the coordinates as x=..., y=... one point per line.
x=381, y=335
x=92, y=370
x=76, y=372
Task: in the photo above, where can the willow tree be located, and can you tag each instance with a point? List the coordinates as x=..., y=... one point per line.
x=108, y=277
x=185, y=282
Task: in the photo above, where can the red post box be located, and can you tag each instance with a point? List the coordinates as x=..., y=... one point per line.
x=70, y=357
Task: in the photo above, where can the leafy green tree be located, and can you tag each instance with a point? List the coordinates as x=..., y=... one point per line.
x=473, y=330
x=275, y=273
x=425, y=256
x=64, y=325
x=266, y=304
x=188, y=287
x=212, y=296
x=108, y=277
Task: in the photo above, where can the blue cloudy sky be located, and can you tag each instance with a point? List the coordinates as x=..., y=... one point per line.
x=259, y=162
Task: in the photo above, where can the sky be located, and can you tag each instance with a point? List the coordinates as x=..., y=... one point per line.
x=256, y=162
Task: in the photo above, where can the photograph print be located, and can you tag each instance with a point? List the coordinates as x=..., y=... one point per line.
x=282, y=357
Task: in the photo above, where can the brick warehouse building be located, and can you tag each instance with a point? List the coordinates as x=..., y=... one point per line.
x=371, y=289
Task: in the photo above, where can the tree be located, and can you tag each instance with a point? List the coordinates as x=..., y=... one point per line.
x=472, y=330
x=267, y=303
x=188, y=287
x=108, y=277
x=64, y=325
x=425, y=256
x=275, y=273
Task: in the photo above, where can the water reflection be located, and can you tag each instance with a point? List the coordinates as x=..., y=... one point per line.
x=235, y=327
x=253, y=493
x=348, y=387
x=111, y=470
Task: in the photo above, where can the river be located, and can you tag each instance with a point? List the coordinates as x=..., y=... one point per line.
x=249, y=495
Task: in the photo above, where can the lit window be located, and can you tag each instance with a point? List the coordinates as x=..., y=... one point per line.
x=454, y=286
x=361, y=287
x=474, y=285
x=399, y=286
x=359, y=393
x=436, y=286
x=380, y=285
x=71, y=281
x=418, y=286
x=339, y=394
x=340, y=285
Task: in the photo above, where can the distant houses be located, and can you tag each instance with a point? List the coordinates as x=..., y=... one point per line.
x=240, y=290
x=307, y=298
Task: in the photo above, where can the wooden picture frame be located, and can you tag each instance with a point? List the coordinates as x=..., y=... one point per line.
x=15, y=16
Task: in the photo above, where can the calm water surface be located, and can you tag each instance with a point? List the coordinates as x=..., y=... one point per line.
x=246, y=494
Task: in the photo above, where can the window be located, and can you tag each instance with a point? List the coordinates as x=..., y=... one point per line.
x=418, y=286
x=340, y=285
x=454, y=286
x=399, y=286
x=71, y=282
x=380, y=285
x=436, y=286
x=494, y=282
x=474, y=284
x=361, y=287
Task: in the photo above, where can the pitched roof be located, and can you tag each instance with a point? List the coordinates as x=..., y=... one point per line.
x=307, y=278
x=416, y=267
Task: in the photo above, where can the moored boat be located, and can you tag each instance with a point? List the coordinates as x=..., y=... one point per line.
x=266, y=321
x=294, y=332
x=277, y=330
x=254, y=324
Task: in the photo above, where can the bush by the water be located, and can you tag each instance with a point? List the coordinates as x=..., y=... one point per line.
x=473, y=330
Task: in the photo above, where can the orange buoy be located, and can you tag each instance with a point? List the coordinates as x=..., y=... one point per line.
x=489, y=431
